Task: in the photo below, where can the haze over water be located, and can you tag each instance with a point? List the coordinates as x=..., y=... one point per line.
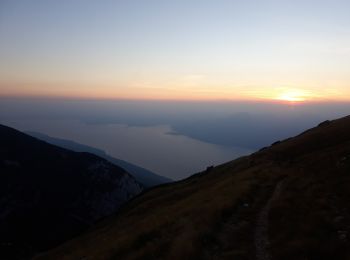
x=174, y=139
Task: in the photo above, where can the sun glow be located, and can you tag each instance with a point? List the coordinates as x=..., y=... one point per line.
x=294, y=95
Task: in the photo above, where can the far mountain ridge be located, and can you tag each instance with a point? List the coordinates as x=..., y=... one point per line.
x=145, y=177
x=50, y=194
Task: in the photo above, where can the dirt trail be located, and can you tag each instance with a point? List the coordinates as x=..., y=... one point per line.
x=261, y=237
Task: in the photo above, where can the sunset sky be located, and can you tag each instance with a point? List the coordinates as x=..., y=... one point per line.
x=297, y=50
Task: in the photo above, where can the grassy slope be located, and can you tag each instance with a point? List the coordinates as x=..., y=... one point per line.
x=213, y=214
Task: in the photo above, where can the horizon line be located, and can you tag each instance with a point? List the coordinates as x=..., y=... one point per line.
x=205, y=100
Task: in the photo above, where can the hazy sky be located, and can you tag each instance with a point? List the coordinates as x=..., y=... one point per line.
x=176, y=49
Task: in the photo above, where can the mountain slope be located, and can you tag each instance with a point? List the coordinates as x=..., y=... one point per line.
x=287, y=201
x=145, y=177
x=49, y=194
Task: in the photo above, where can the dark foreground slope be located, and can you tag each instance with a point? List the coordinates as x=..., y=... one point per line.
x=49, y=194
x=145, y=177
x=288, y=201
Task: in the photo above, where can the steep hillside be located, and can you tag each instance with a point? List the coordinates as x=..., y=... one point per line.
x=145, y=177
x=49, y=194
x=287, y=201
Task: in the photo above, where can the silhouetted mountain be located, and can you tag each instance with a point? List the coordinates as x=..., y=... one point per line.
x=49, y=194
x=145, y=177
x=287, y=201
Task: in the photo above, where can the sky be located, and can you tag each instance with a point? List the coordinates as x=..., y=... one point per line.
x=293, y=51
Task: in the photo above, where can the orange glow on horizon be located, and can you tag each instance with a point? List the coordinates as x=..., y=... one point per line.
x=208, y=93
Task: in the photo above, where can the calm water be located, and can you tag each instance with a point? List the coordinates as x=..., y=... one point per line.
x=155, y=148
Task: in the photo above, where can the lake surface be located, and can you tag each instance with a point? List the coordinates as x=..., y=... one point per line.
x=156, y=148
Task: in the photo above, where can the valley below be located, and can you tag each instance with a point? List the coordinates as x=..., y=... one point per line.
x=287, y=201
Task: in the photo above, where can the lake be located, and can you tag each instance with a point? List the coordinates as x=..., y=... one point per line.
x=156, y=148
